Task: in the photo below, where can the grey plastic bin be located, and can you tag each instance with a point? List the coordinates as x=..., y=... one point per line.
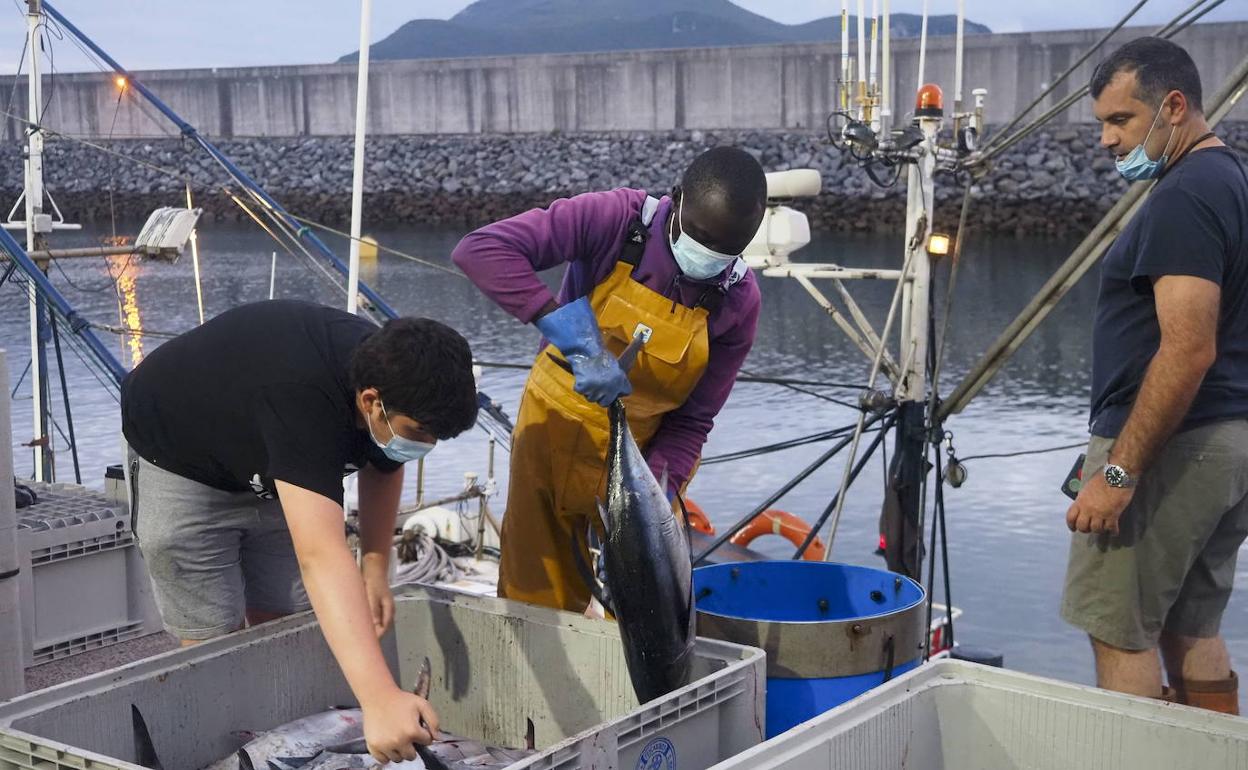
x=83, y=584
x=951, y=715
x=495, y=664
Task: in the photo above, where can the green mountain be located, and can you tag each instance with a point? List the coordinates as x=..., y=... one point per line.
x=506, y=27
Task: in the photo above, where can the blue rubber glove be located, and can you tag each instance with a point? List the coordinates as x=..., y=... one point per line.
x=574, y=331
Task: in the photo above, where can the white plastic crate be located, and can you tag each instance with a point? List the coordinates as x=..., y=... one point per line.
x=83, y=584
x=495, y=664
x=951, y=715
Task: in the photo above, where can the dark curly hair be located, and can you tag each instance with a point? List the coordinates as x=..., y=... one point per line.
x=422, y=369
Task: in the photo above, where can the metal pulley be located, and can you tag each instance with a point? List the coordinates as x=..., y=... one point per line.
x=955, y=472
x=875, y=401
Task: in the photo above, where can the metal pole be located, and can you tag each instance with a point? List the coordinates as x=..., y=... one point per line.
x=459, y=497
x=489, y=488
x=12, y=674
x=957, y=58
x=920, y=198
x=931, y=565
x=873, y=81
x=923, y=45
x=420, y=482
x=42, y=439
x=862, y=60
x=45, y=440
x=483, y=505
x=845, y=55
x=357, y=179
x=886, y=72
x=483, y=502
x=87, y=251
x=944, y=547
x=69, y=415
x=199, y=292
x=480, y=551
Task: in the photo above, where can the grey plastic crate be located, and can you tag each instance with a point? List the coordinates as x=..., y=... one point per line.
x=952, y=715
x=496, y=663
x=83, y=583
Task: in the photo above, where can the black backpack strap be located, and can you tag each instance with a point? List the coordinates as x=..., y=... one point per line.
x=713, y=298
x=639, y=232
x=635, y=242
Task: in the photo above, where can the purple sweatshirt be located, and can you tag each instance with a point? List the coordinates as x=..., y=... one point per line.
x=587, y=232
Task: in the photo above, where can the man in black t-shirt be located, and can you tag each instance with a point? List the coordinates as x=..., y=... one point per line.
x=243, y=429
x=1164, y=505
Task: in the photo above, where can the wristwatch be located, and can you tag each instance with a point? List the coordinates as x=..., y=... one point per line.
x=1117, y=476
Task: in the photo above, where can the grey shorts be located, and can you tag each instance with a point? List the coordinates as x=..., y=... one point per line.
x=1172, y=565
x=212, y=554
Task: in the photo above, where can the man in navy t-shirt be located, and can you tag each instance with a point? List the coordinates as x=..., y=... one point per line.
x=1164, y=505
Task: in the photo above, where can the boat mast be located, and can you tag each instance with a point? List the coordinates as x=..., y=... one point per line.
x=886, y=73
x=909, y=471
x=357, y=180
x=37, y=226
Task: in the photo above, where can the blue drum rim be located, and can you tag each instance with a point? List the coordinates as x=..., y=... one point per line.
x=801, y=649
x=922, y=594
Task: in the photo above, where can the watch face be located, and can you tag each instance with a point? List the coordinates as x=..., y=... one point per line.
x=1115, y=476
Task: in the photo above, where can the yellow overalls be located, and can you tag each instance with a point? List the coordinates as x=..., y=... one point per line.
x=558, y=455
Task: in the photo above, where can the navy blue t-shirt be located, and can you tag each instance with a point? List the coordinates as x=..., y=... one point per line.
x=1194, y=223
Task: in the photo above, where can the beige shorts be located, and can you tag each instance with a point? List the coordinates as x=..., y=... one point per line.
x=1172, y=565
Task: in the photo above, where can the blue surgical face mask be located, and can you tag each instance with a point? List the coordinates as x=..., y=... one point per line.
x=694, y=259
x=1137, y=165
x=399, y=449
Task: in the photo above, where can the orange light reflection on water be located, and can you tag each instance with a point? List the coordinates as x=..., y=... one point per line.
x=128, y=300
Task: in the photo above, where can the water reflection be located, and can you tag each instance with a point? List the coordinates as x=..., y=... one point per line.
x=128, y=305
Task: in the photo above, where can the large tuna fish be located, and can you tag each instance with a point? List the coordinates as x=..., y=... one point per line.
x=299, y=746
x=296, y=742
x=647, y=568
x=449, y=752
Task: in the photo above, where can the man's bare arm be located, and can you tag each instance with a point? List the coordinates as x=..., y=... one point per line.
x=1187, y=311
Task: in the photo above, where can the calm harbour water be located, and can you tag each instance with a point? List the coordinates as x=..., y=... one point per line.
x=1006, y=524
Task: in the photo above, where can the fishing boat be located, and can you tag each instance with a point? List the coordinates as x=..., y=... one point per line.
x=452, y=542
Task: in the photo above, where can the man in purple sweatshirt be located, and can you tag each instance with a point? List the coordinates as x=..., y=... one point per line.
x=667, y=269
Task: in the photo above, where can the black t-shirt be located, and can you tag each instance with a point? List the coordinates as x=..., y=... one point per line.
x=1194, y=223
x=261, y=392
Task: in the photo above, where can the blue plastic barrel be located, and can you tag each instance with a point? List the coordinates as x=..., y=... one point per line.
x=831, y=631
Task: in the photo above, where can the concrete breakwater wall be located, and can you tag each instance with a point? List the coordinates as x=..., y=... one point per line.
x=1058, y=182
x=789, y=87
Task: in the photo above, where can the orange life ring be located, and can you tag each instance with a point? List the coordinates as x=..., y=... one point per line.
x=698, y=518
x=784, y=524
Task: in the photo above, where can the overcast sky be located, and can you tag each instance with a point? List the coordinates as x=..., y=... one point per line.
x=163, y=34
